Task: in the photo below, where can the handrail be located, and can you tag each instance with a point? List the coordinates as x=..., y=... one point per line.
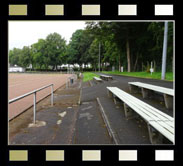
x=34, y=92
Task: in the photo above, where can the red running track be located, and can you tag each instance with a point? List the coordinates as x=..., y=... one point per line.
x=19, y=84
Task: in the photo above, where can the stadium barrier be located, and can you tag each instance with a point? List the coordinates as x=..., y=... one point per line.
x=34, y=100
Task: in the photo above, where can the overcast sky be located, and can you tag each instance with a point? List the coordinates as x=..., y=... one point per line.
x=25, y=33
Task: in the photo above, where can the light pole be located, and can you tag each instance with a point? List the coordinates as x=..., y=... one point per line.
x=163, y=71
x=99, y=58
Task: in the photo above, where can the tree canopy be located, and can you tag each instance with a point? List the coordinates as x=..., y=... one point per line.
x=133, y=45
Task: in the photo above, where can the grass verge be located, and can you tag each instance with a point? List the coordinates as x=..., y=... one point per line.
x=88, y=76
x=155, y=75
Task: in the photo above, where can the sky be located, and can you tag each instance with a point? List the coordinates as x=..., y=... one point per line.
x=25, y=33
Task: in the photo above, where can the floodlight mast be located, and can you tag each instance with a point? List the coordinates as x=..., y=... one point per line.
x=99, y=58
x=163, y=71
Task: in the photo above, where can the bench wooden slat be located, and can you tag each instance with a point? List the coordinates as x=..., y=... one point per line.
x=105, y=76
x=139, y=109
x=162, y=130
x=154, y=88
x=157, y=119
x=149, y=108
x=170, y=123
x=166, y=126
x=146, y=108
x=97, y=78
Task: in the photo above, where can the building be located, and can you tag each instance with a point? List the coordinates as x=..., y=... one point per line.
x=16, y=69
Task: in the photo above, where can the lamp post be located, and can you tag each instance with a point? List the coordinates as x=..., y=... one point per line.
x=163, y=71
x=99, y=58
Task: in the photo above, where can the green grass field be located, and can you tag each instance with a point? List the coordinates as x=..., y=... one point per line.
x=155, y=75
x=88, y=76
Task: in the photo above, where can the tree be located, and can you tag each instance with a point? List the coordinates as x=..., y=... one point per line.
x=55, y=49
x=40, y=57
x=94, y=52
x=127, y=44
x=14, y=56
x=25, y=57
x=78, y=48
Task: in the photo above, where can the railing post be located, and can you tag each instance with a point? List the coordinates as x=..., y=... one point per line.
x=66, y=83
x=34, y=99
x=52, y=95
x=34, y=114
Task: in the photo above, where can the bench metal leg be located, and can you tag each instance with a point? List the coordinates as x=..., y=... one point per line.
x=168, y=101
x=128, y=112
x=133, y=89
x=115, y=99
x=155, y=136
x=109, y=93
x=145, y=93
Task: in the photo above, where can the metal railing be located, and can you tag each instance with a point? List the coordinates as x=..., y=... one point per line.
x=34, y=100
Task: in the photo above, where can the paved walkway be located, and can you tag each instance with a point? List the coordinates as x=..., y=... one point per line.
x=70, y=123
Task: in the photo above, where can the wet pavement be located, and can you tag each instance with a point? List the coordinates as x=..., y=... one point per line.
x=69, y=122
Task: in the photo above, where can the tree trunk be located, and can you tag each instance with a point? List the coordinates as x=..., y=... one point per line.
x=128, y=55
x=119, y=63
x=53, y=67
x=154, y=66
x=135, y=65
x=142, y=66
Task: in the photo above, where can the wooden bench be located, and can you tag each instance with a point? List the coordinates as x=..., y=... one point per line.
x=159, y=124
x=97, y=79
x=146, y=89
x=106, y=77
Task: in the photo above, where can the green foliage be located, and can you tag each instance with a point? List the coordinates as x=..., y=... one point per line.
x=44, y=53
x=14, y=56
x=129, y=44
x=87, y=76
x=55, y=49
